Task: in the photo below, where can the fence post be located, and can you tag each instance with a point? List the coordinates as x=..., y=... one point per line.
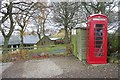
x=12, y=47
x=35, y=47
x=17, y=47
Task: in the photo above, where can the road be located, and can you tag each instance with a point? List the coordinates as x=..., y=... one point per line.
x=60, y=67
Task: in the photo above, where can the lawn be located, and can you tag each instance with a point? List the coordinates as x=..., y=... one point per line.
x=47, y=51
x=41, y=52
x=50, y=49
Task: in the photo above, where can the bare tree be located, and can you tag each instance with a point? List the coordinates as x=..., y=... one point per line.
x=9, y=11
x=97, y=6
x=67, y=14
x=7, y=15
x=41, y=16
x=23, y=19
x=22, y=22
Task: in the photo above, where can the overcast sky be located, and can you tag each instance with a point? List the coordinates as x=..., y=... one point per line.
x=32, y=25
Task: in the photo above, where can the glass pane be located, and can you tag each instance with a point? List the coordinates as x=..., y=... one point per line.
x=98, y=46
x=98, y=42
x=98, y=50
x=99, y=25
x=99, y=54
x=99, y=32
x=98, y=35
x=98, y=38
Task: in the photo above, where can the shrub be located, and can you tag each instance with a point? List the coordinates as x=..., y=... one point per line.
x=16, y=56
x=113, y=48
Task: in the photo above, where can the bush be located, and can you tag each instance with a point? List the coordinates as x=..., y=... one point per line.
x=15, y=56
x=113, y=48
x=113, y=44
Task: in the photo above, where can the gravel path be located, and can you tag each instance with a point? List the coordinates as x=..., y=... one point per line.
x=60, y=67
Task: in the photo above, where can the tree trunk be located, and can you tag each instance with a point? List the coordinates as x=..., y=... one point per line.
x=39, y=36
x=102, y=8
x=43, y=30
x=5, y=46
x=21, y=41
x=7, y=37
x=66, y=38
x=38, y=32
x=70, y=36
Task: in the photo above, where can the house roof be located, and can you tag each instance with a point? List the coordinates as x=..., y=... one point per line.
x=27, y=39
x=1, y=40
x=30, y=39
x=15, y=39
x=54, y=38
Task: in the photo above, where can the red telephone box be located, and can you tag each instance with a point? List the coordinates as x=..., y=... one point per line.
x=97, y=39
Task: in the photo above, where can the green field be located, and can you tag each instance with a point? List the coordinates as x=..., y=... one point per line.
x=52, y=49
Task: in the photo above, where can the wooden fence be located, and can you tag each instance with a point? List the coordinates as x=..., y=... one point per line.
x=25, y=48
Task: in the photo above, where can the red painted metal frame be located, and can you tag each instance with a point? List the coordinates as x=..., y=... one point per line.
x=91, y=58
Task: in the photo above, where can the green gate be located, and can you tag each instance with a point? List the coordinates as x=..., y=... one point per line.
x=79, y=43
